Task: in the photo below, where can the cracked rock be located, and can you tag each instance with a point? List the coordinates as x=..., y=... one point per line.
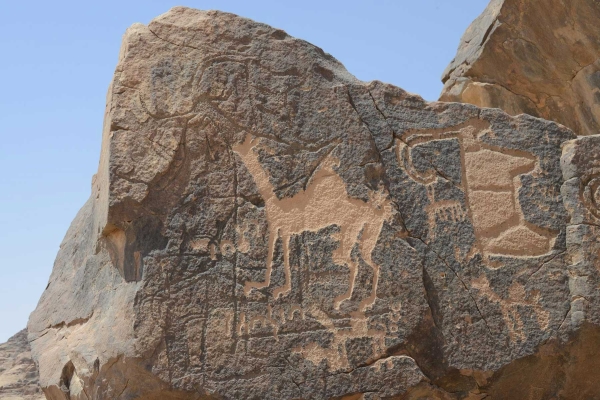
x=263, y=225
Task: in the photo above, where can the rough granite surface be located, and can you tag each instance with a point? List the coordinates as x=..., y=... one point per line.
x=539, y=57
x=265, y=226
x=18, y=373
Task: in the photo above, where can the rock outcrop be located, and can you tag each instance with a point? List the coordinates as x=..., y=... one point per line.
x=265, y=226
x=539, y=57
x=18, y=373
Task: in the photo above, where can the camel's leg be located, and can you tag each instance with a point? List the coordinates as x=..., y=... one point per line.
x=368, y=240
x=288, y=272
x=273, y=235
x=352, y=281
x=343, y=255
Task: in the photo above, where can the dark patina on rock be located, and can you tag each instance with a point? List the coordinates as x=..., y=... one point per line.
x=265, y=226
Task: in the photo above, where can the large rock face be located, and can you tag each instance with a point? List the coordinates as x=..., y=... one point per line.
x=18, y=373
x=265, y=226
x=540, y=57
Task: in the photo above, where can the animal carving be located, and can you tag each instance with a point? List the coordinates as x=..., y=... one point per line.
x=490, y=178
x=325, y=202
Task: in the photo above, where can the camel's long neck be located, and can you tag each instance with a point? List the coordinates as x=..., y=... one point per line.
x=250, y=159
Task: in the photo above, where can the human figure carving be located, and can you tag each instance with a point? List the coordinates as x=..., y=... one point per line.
x=325, y=202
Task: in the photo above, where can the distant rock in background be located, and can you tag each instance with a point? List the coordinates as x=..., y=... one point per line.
x=263, y=225
x=18, y=373
x=539, y=57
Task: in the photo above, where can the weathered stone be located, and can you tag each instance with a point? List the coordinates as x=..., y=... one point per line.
x=581, y=169
x=18, y=373
x=539, y=57
x=265, y=226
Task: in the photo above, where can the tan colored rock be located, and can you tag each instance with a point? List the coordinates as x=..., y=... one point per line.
x=18, y=373
x=540, y=57
x=263, y=225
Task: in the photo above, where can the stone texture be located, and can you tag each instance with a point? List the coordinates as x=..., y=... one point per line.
x=18, y=373
x=539, y=57
x=581, y=167
x=265, y=226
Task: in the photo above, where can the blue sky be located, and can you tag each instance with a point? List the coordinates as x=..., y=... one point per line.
x=58, y=58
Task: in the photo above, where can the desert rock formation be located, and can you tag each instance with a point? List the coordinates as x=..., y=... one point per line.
x=265, y=226
x=18, y=373
x=539, y=57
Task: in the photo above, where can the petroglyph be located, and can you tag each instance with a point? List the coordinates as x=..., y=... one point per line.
x=324, y=202
x=590, y=192
x=267, y=245
x=490, y=177
x=337, y=352
x=514, y=306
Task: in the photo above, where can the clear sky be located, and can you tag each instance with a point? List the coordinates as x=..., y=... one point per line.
x=57, y=59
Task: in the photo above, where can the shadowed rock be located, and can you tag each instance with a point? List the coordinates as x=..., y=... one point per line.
x=539, y=57
x=265, y=226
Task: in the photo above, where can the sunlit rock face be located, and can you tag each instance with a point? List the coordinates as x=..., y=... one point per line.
x=18, y=374
x=539, y=57
x=265, y=226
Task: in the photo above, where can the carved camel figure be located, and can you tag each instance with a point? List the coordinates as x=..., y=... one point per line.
x=325, y=202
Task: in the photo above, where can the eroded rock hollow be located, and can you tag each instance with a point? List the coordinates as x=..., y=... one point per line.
x=265, y=226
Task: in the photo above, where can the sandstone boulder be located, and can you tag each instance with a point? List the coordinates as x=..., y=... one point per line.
x=539, y=57
x=18, y=373
x=265, y=226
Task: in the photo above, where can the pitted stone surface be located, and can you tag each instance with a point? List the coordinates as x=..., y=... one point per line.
x=581, y=169
x=265, y=226
x=539, y=57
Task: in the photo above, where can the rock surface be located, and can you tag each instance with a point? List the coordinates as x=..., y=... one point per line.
x=540, y=57
x=265, y=226
x=18, y=373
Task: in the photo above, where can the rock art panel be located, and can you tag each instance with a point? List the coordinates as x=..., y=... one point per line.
x=491, y=182
x=323, y=203
x=536, y=57
x=264, y=225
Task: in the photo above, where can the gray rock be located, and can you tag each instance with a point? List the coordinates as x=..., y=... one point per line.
x=265, y=226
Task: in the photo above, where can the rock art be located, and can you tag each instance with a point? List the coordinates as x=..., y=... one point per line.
x=263, y=225
x=18, y=373
x=539, y=57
